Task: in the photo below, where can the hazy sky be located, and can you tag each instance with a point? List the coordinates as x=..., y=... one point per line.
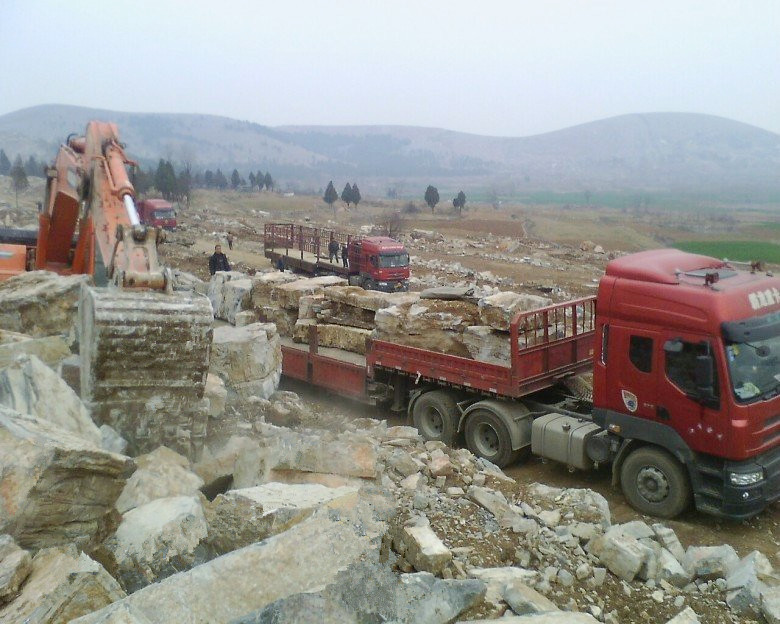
x=489, y=67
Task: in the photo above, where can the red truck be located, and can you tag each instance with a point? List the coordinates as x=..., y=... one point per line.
x=373, y=262
x=685, y=353
x=157, y=213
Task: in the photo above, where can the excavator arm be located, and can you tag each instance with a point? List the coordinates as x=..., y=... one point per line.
x=144, y=347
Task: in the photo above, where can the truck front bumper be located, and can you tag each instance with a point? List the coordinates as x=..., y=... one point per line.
x=741, y=501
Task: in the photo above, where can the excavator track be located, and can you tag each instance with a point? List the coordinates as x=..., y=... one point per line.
x=144, y=361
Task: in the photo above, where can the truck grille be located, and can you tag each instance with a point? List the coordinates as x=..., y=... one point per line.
x=772, y=437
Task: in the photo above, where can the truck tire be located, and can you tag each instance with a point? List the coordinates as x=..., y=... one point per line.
x=655, y=483
x=488, y=437
x=435, y=415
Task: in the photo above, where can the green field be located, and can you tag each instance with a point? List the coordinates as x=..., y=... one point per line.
x=745, y=251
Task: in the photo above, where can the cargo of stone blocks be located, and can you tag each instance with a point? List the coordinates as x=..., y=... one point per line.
x=442, y=320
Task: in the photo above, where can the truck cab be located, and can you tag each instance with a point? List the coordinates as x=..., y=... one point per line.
x=157, y=213
x=687, y=381
x=378, y=263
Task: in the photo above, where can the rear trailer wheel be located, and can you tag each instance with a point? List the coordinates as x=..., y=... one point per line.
x=655, y=483
x=435, y=415
x=487, y=436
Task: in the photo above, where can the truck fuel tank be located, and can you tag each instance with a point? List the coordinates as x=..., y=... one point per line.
x=564, y=439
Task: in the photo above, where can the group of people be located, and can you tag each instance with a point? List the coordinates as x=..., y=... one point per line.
x=333, y=253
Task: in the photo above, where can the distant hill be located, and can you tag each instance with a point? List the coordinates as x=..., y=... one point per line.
x=661, y=151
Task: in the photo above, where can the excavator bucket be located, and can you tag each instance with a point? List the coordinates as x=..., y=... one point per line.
x=144, y=361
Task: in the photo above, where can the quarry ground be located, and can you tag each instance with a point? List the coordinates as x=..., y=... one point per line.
x=536, y=248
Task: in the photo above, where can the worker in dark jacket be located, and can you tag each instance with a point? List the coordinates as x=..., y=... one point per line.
x=218, y=261
x=344, y=255
x=333, y=251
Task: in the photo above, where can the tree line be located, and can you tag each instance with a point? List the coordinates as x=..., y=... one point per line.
x=350, y=194
x=431, y=198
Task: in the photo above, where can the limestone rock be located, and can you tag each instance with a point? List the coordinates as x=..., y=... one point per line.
x=498, y=310
x=369, y=592
x=15, y=566
x=371, y=300
x=309, y=305
x=770, y=605
x=263, y=286
x=342, y=337
x=744, y=584
x=40, y=303
x=310, y=553
x=226, y=298
x=623, y=555
x=248, y=359
x=218, y=465
x=669, y=540
x=57, y=487
x=51, y=350
x=62, y=586
x=498, y=578
x=216, y=393
x=559, y=617
x=163, y=473
x=111, y=441
x=28, y=386
x=245, y=317
x=525, y=600
x=710, y=562
x=284, y=320
x=158, y=539
x=495, y=502
x=670, y=570
x=687, y=616
x=288, y=295
x=488, y=345
x=241, y=517
x=421, y=547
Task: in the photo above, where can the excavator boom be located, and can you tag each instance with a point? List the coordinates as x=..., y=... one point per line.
x=144, y=346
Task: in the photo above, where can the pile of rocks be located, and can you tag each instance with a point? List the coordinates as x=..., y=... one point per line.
x=472, y=325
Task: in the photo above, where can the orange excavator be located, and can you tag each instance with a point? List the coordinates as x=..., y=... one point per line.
x=144, y=346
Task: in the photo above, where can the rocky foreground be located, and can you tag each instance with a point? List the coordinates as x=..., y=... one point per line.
x=283, y=514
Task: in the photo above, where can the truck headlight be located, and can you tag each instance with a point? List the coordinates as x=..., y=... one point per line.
x=746, y=478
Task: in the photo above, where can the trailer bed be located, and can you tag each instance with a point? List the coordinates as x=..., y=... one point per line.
x=337, y=370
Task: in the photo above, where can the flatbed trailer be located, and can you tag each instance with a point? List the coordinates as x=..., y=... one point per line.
x=684, y=403
x=303, y=248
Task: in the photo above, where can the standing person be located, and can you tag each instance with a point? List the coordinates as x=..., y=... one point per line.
x=218, y=261
x=230, y=241
x=344, y=256
x=333, y=251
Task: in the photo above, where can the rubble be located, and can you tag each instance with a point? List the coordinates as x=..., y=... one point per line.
x=57, y=488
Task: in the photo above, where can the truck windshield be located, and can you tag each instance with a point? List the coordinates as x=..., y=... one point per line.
x=753, y=367
x=393, y=260
x=164, y=214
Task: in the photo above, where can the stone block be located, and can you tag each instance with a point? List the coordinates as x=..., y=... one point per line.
x=62, y=586
x=15, y=567
x=421, y=547
x=488, y=345
x=51, y=350
x=216, y=393
x=525, y=600
x=30, y=387
x=162, y=473
x=311, y=554
x=57, y=487
x=710, y=562
x=624, y=556
x=245, y=317
x=686, y=616
x=248, y=359
x=499, y=309
x=229, y=292
x=669, y=540
x=671, y=570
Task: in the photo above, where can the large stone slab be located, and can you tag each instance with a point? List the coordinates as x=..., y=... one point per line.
x=241, y=517
x=40, y=303
x=229, y=292
x=57, y=487
x=158, y=539
x=28, y=386
x=337, y=336
x=488, y=345
x=163, y=473
x=421, y=547
x=15, y=566
x=51, y=350
x=425, y=316
x=371, y=592
x=311, y=554
x=498, y=310
x=62, y=586
x=248, y=359
x=372, y=300
x=263, y=286
x=288, y=295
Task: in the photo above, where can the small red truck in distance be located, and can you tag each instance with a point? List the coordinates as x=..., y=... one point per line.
x=685, y=355
x=373, y=262
x=157, y=213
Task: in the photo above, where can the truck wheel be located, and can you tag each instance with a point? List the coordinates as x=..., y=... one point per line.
x=487, y=436
x=435, y=415
x=655, y=483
